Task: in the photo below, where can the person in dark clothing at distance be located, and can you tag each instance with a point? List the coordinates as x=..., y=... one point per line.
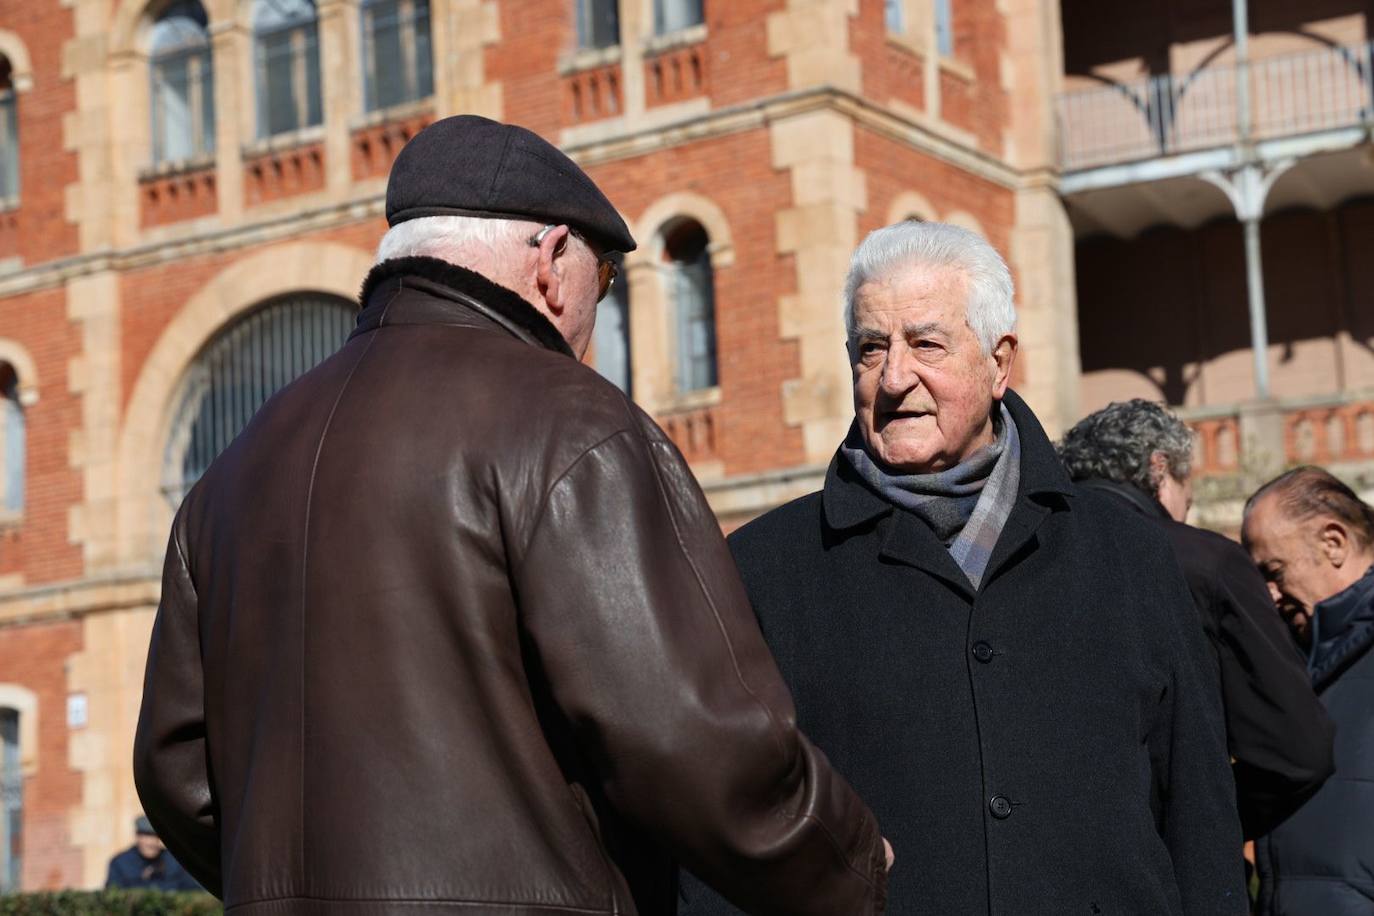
x=1313, y=540
x=1278, y=734
x=1009, y=670
x=147, y=865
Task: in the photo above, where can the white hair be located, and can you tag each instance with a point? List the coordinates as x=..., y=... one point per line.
x=990, y=311
x=446, y=237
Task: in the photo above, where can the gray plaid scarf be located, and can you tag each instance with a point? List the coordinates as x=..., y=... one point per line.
x=966, y=505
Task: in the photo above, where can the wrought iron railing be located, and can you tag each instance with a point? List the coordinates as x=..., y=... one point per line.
x=1163, y=115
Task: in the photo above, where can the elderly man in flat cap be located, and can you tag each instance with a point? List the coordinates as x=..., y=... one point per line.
x=450, y=625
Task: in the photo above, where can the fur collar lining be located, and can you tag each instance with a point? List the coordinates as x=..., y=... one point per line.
x=469, y=283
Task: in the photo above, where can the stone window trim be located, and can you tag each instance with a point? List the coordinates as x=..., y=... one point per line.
x=25, y=702
x=176, y=167
x=402, y=112
x=282, y=142
x=658, y=44
x=589, y=59
x=410, y=64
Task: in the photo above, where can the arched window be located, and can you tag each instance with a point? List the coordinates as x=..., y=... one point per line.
x=244, y=365
x=611, y=340
x=396, y=52
x=691, y=285
x=9, y=136
x=286, y=47
x=183, y=84
x=11, y=802
x=12, y=451
x=598, y=23
x=675, y=15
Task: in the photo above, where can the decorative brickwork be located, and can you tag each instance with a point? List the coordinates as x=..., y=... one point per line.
x=675, y=74
x=693, y=432
x=283, y=173
x=592, y=94
x=374, y=147
x=178, y=196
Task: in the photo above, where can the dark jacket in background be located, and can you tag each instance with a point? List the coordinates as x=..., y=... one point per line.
x=130, y=871
x=1049, y=746
x=1276, y=728
x=450, y=628
x=1320, y=862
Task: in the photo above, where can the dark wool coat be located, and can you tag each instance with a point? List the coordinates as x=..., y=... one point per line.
x=1320, y=862
x=1049, y=746
x=1276, y=728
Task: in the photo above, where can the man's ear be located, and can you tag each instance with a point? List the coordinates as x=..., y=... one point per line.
x=1003, y=357
x=1335, y=543
x=549, y=270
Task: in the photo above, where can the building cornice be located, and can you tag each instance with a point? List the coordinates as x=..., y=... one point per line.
x=79, y=598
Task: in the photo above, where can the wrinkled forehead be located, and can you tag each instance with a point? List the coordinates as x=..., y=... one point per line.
x=907, y=293
x=1269, y=532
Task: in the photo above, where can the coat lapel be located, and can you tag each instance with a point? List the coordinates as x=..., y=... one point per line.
x=911, y=542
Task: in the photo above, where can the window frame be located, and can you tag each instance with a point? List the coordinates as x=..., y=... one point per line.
x=200, y=92
x=13, y=445
x=11, y=799
x=10, y=159
x=305, y=40
x=660, y=19
x=417, y=57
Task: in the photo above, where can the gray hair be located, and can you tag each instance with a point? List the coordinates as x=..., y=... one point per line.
x=991, y=313
x=1120, y=440
x=444, y=237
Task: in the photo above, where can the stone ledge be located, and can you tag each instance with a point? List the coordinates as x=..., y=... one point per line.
x=78, y=598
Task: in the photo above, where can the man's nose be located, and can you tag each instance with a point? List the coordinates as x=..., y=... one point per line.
x=1274, y=592
x=899, y=372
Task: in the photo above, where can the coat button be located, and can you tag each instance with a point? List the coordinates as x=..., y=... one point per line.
x=983, y=652
x=1000, y=806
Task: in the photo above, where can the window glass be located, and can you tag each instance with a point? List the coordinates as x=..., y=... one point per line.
x=692, y=288
x=398, y=66
x=894, y=11
x=944, y=29
x=12, y=443
x=287, y=53
x=675, y=15
x=183, y=86
x=611, y=340
x=11, y=803
x=598, y=23
x=240, y=369
x=9, y=136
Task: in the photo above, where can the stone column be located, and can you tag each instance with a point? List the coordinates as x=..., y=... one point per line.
x=340, y=73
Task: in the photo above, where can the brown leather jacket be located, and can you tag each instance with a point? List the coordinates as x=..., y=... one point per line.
x=451, y=624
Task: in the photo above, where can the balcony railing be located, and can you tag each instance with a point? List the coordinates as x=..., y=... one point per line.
x=1167, y=114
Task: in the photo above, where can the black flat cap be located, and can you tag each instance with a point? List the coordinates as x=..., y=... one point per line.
x=471, y=166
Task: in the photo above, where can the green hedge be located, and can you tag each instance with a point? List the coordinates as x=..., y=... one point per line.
x=114, y=903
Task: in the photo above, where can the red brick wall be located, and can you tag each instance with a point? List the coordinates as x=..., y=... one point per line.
x=35, y=657
x=46, y=169
x=736, y=173
x=38, y=546
x=891, y=72
x=153, y=296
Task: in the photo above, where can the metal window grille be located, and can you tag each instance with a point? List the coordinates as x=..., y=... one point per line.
x=598, y=23
x=237, y=372
x=612, y=335
x=398, y=62
x=11, y=803
x=183, y=92
x=894, y=13
x=675, y=15
x=287, y=61
x=12, y=447
x=944, y=28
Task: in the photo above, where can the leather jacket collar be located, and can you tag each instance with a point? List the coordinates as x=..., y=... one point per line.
x=460, y=292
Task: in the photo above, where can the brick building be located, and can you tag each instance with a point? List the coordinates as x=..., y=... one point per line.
x=190, y=191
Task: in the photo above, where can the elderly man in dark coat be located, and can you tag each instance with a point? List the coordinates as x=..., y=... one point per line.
x=1313, y=539
x=450, y=628
x=1009, y=670
x=1140, y=454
